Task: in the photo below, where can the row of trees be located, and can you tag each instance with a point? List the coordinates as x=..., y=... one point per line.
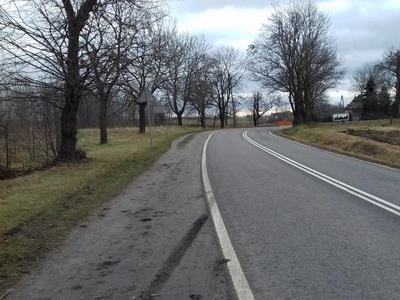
x=69, y=53
x=74, y=55
x=376, y=83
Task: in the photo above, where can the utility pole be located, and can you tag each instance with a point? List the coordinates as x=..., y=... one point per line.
x=342, y=102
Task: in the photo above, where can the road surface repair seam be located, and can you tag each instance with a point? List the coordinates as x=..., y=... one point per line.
x=239, y=281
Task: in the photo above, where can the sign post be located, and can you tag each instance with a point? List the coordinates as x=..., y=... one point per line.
x=147, y=98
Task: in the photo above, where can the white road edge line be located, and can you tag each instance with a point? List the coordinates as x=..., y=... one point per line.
x=339, y=184
x=239, y=281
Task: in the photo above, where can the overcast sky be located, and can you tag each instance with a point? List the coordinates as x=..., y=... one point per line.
x=363, y=28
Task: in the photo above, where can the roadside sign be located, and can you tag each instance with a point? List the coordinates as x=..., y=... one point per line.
x=146, y=96
x=340, y=117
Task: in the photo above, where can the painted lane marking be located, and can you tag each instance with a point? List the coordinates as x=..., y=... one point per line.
x=334, y=153
x=239, y=281
x=339, y=184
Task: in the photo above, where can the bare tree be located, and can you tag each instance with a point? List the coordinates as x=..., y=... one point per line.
x=5, y=162
x=370, y=72
x=201, y=97
x=114, y=31
x=391, y=64
x=185, y=55
x=294, y=54
x=46, y=37
x=261, y=105
x=228, y=71
x=148, y=67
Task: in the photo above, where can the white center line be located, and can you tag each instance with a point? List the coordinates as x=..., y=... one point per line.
x=339, y=184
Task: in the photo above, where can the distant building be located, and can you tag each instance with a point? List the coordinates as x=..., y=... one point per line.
x=355, y=108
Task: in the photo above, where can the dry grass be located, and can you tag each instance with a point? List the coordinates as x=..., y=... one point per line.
x=334, y=137
x=38, y=210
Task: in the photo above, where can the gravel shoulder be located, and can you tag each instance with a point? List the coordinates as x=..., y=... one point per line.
x=154, y=241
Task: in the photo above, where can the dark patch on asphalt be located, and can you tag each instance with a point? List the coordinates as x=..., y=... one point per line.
x=195, y=297
x=142, y=211
x=76, y=287
x=173, y=259
x=106, y=264
x=185, y=140
x=145, y=220
x=224, y=261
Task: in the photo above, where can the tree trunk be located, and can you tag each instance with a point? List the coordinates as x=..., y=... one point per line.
x=73, y=93
x=8, y=155
x=298, y=110
x=396, y=105
x=203, y=119
x=69, y=130
x=307, y=115
x=179, y=117
x=255, y=120
x=103, y=121
x=142, y=117
x=222, y=120
x=203, y=122
x=69, y=112
x=297, y=119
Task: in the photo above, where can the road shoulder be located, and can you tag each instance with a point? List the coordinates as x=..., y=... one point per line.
x=154, y=240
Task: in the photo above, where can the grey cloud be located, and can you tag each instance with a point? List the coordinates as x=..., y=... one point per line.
x=198, y=6
x=362, y=31
x=363, y=39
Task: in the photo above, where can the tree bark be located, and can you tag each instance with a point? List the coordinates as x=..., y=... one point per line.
x=69, y=130
x=255, y=120
x=203, y=121
x=73, y=93
x=103, y=121
x=222, y=120
x=179, y=117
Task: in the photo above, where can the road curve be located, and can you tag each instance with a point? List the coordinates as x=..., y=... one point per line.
x=300, y=237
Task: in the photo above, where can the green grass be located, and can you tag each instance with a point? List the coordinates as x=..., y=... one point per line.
x=334, y=137
x=38, y=210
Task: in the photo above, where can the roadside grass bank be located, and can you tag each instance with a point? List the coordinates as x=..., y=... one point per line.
x=374, y=141
x=38, y=210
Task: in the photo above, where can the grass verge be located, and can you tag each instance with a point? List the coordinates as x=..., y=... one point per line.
x=37, y=211
x=334, y=137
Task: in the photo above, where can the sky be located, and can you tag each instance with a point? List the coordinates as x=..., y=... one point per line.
x=363, y=29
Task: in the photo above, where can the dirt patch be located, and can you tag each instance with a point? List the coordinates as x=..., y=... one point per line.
x=389, y=137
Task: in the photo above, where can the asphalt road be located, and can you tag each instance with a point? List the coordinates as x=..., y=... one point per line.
x=313, y=228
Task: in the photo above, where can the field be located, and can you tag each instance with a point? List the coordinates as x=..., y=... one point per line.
x=38, y=210
x=376, y=141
